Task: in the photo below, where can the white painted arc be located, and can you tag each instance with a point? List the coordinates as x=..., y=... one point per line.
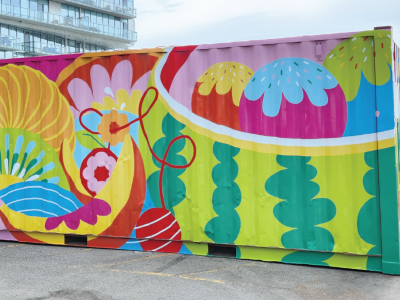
x=37, y=210
x=135, y=242
x=148, y=224
x=145, y=240
x=167, y=242
x=161, y=231
x=44, y=200
x=31, y=187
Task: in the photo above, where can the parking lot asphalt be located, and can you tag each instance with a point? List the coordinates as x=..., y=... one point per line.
x=39, y=272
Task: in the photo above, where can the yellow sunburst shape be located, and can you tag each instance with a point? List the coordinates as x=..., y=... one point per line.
x=30, y=101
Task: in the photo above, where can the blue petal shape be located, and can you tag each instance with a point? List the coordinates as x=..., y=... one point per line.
x=290, y=76
x=30, y=147
x=39, y=199
x=18, y=144
x=48, y=167
x=361, y=111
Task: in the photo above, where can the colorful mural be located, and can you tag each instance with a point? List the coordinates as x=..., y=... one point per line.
x=260, y=146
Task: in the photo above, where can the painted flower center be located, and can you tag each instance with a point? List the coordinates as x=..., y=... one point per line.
x=101, y=174
x=96, y=169
x=113, y=126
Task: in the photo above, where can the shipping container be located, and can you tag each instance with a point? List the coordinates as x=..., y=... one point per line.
x=279, y=150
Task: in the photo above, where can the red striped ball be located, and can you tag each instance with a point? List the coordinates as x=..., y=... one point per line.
x=159, y=231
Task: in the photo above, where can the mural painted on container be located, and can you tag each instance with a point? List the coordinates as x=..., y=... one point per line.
x=172, y=150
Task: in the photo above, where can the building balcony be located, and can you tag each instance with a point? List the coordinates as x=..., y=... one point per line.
x=67, y=23
x=40, y=49
x=8, y=43
x=122, y=10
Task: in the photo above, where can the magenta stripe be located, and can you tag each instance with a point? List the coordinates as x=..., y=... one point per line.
x=38, y=58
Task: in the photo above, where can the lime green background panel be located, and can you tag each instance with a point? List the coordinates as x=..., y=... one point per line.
x=341, y=180
x=197, y=249
x=348, y=261
x=196, y=210
x=259, y=226
x=264, y=254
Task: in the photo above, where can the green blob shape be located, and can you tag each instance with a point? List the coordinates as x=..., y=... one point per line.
x=299, y=209
x=308, y=258
x=238, y=252
x=369, y=221
x=389, y=208
x=374, y=264
x=174, y=189
x=368, y=52
x=225, y=228
x=34, y=165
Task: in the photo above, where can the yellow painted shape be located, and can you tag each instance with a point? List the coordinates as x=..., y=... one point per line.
x=196, y=210
x=48, y=238
x=7, y=180
x=197, y=249
x=348, y=261
x=116, y=193
x=91, y=237
x=383, y=144
x=227, y=76
x=259, y=227
x=24, y=222
x=71, y=168
x=124, y=102
x=264, y=254
x=340, y=179
x=154, y=51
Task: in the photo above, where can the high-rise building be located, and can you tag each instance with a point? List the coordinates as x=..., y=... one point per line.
x=45, y=27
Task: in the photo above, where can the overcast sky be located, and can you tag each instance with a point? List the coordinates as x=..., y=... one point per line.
x=193, y=22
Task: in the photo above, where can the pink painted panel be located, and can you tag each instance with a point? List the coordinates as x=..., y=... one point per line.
x=51, y=66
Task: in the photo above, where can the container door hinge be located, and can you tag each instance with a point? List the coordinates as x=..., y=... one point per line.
x=318, y=51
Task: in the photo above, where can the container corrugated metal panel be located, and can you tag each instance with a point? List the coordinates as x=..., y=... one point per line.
x=283, y=149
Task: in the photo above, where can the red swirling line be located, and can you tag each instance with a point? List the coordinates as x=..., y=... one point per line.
x=162, y=161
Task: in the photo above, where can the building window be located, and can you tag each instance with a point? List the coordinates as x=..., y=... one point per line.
x=69, y=11
x=93, y=17
x=37, y=5
x=25, y=4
